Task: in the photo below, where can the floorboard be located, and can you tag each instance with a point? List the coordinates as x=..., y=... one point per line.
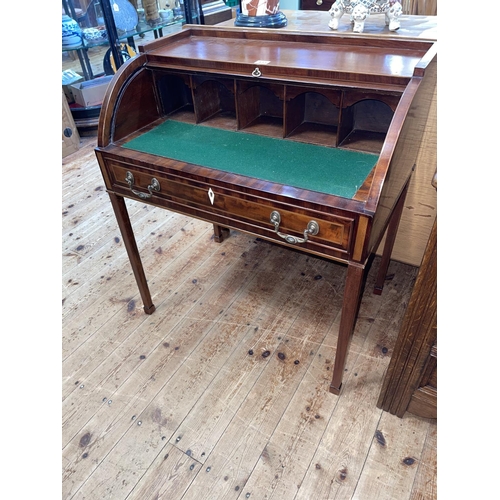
x=222, y=393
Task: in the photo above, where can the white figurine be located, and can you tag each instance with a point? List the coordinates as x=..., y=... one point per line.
x=361, y=9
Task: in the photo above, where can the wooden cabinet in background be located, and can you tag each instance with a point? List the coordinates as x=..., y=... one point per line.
x=410, y=383
x=316, y=4
x=413, y=7
x=70, y=136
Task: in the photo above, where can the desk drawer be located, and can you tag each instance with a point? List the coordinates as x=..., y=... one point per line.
x=226, y=205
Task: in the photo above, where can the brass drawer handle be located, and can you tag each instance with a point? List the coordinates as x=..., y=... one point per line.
x=319, y=2
x=154, y=186
x=256, y=72
x=312, y=229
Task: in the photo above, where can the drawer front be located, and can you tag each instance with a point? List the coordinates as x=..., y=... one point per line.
x=316, y=4
x=228, y=206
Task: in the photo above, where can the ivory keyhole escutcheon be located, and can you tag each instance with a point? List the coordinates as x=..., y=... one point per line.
x=211, y=196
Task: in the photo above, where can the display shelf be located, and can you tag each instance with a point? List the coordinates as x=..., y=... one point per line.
x=128, y=37
x=115, y=37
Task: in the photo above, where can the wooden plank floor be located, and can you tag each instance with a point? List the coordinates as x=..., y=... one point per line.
x=173, y=405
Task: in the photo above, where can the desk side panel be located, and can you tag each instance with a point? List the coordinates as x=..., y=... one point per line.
x=420, y=208
x=408, y=128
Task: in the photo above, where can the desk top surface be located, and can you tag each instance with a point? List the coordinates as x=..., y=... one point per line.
x=202, y=50
x=279, y=53
x=412, y=27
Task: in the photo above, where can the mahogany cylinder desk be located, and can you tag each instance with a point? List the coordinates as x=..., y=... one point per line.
x=307, y=140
